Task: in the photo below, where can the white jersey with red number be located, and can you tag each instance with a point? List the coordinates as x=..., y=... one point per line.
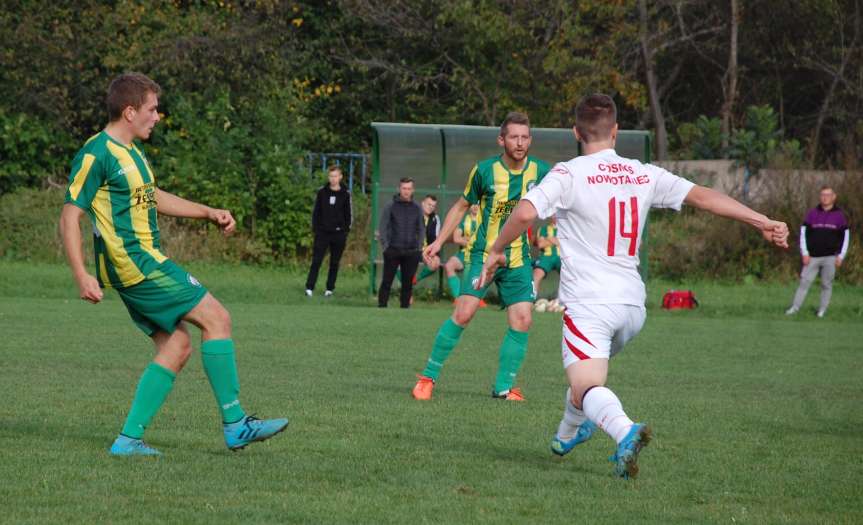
x=601, y=202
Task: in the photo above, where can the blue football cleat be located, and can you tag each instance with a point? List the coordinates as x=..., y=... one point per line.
x=626, y=457
x=585, y=432
x=126, y=446
x=250, y=429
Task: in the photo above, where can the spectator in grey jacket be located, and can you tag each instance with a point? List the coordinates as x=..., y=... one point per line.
x=824, y=240
x=401, y=232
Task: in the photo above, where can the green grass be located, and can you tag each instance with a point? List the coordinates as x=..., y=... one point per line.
x=756, y=416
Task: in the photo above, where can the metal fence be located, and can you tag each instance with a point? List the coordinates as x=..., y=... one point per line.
x=355, y=167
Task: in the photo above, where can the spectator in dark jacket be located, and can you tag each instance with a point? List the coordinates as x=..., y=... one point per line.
x=401, y=232
x=331, y=222
x=824, y=239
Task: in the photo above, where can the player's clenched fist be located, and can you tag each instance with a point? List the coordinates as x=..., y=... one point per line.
x=493, y=261
x=776, y=232
x=88, y=289
x=223, y=219
x=430, y=251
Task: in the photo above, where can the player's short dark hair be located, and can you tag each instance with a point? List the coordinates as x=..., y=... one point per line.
x=430, y=196
x=406, y=180
x=129, y=89
x=595, y=116
x=334, y=167
x=513, y=117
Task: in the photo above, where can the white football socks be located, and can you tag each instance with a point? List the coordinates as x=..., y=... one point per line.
x=603, y=408
x=572, y=419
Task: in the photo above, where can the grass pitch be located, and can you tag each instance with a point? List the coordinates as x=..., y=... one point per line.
x=756, y=417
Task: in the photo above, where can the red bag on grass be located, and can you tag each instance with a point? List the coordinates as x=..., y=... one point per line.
x=679, y=299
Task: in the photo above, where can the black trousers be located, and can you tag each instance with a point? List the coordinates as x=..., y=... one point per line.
x=394, y=258
x=335, y=242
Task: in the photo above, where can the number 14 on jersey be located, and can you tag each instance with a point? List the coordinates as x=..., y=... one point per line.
x=613, y=207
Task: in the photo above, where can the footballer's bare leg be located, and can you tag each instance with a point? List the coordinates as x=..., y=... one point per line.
x=211, y=317
x=173, y=350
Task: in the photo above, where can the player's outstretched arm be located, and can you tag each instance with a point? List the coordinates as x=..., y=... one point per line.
x=518, y=222
x=450, y=223
x=170, y=204
x=720, y=204
x=70, y=231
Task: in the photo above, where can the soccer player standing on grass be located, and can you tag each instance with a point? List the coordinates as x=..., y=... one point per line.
x=496, y=184
x=112, y=183
x=601, y=202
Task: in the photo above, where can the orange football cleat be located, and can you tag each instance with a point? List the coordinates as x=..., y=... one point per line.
x=513, y=394
x=482, y=304
x=423, y=389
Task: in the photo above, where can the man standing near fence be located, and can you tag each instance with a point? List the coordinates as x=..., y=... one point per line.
x=401, y=234
x=824, y=239
x=331, y=222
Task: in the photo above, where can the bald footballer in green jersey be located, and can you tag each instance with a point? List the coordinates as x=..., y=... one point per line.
x=496, y=184
x=549, y=256
x=113, y=184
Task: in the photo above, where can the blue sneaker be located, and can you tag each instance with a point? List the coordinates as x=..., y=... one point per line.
x=626, y=457
x=250, y=429
x=585, y=432
x=126, y=446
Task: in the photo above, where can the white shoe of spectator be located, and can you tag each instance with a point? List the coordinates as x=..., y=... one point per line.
x=821, y=313
x=328, y=293
x=308, y=293
x=791, y=311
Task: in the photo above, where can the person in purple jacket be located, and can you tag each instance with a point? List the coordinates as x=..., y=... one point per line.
x=824, y=238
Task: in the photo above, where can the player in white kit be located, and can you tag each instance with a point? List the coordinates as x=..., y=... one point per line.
x=601, y=201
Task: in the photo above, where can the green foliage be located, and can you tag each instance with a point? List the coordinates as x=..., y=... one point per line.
x=28, y=222
x=701, y=139
x=31, y=151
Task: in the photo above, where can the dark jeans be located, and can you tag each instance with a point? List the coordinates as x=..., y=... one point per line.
x=335, y=241
x=394, y=258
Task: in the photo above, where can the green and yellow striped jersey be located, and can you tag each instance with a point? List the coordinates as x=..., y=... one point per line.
x=114, y=184
x=549, y=231
x=497, y=190
x=468, y=227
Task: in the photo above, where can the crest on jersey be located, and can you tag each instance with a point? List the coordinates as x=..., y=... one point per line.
x=193, y=281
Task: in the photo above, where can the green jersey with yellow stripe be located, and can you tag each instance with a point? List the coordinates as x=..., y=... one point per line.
x=114, y=184
x=497, y=190
x=549, y=232
x=468, y=228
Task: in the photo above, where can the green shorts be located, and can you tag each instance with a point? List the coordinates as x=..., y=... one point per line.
x=161, y=300
x=547, y=263
x=514, y=285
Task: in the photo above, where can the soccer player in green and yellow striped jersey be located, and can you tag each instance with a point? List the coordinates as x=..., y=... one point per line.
x=549, y=257
x=112, y=182
x=496, y=184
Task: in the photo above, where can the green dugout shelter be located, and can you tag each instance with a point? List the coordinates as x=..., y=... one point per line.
x=439, y=157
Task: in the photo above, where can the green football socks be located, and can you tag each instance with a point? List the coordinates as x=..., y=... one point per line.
x=447, y=338
x=425, y=272
x=220, y=364
x=512, y=352
x=153, y=388
x=454, y=285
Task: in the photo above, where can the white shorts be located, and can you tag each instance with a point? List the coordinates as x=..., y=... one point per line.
x=598, y=331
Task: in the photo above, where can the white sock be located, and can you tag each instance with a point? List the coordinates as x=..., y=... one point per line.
x=603, y=408
x=572, y=419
